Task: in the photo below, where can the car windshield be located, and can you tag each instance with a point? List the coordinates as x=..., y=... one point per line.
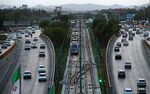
x=128, y=90
x=42, y=66
x=142, y=80
x=26, y=72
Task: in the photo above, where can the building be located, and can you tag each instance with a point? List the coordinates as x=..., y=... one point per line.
x=24, y=6
x=58, y=10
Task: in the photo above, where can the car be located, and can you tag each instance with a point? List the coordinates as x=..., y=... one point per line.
x=0, y=51
x=118, y=57
x=118, y=44
x=141, y=31
x=134, y=29
x=27, y=47
x=130, y=33
x=148, y=38
x=33, y=32
x=126, y=43
x=121, y=74
x=19, y=36
x=130, y=37
x=128, y=91
x=7, y=43
x=42, y=46
x=137, y=32
x=127, y=65
x=22, y=32
x=4, y=46
x=141, y=91
x=116, y=49
x=27, y=41
x=141, y=82
x=123, y=40
x=124, y=35
x=42, y=54
x=35, y=39
x=26, y=35
x=27, y=75
x=41, y=69
x=33, y=45
x=145, y=34
x=42, y=77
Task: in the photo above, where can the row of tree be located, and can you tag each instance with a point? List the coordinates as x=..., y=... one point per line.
x=143, y=14
x=23, y=14
x=58, y=31
x=103, y=29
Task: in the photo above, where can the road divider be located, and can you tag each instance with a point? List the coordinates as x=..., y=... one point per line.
x=5, y=53
x=110, y=83
x=147, y=43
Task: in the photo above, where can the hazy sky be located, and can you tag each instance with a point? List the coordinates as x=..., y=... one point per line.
x=60, y=2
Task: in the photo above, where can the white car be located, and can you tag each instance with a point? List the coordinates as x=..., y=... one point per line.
x=27, y=47
x=42, y=77
x=33, y=45
x=27, y=75
x=41, y=69
x=35, y=39
x=128, y=91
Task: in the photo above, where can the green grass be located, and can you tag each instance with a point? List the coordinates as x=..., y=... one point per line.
x=99, y=56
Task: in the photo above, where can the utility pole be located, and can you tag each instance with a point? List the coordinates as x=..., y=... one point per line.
x=80, y=57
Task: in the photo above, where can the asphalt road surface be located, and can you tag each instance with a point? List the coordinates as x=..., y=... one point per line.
x=30, y=60
x=132, y=53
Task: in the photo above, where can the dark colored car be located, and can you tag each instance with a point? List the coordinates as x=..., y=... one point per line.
x=118, y=56
x=121, y=74
x=130, y=37
x=4, y=46
x=118, y=44
x=116, y=49
x=127, y=65
x=141, y=82
x=42, y=54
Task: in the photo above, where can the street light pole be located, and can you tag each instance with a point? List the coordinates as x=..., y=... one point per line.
x=80, y=58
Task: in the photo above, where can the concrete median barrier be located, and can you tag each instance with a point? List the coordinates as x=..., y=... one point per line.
x=8, y=51
x=147, y=43
x=110, y=78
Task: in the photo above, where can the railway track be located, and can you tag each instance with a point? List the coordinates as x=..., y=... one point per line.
x=89, y=79
x=72, y=85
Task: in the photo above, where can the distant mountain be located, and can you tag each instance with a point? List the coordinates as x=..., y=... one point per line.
x=80, y=7
x=5, y=6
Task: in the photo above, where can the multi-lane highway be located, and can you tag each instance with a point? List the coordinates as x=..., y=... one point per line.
x=30, y=61
x=134, y=54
